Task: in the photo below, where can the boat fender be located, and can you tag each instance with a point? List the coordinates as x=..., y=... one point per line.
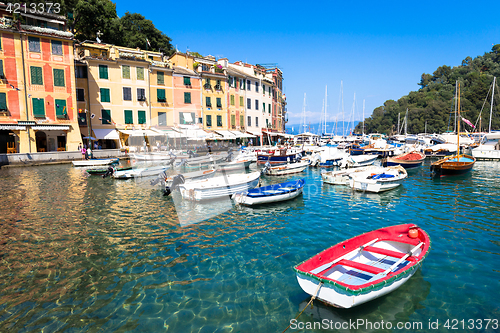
x=413, y=232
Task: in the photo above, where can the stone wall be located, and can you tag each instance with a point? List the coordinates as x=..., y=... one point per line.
x=28, y=159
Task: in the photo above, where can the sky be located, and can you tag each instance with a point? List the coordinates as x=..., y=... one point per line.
x=377, y=49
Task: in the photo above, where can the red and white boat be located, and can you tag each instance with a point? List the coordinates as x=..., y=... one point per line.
x=365, y=267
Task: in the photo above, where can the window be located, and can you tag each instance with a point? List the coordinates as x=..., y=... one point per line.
x=140, y=73
x=3, y=101
x=141, y=117
x=80, y=72
x=105, y=95
x=256, y=104
x=249, y=121
x=256, y=86
x=105, y=117
x=61, y=111
x=186, y=118
x=59, y=77
x=129, y=117
x=127, y=93
x=57, y=47
x=38, y=107
x=205, y=68
x=209, y=120
x=241, y=101
x=208, y=102
x=248, y=84
x=80, y=95
x=233, y=120
x=126, y=72
x=235, y=83
x=34, y=44
x=219, y=102
x=162, y=119
x=207, y=84
x=263, y=107
x=232, y=99
x=269, y=108
x=242, y=84
x=141, y=94
x=160, y=94
x=160, y=78
x=36, y=75
x=249, y=103
x=267, y=123
x=241, y=121
x=269, y=90
x=263, y=89
x=257, y=121
x=219, y=121
x=187, y=81
x=217, y=85
x=187, y=98
x=103, y=72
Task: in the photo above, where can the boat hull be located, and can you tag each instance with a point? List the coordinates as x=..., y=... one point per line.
x=95, y=162
x=274, y=195
x=452, y=166
x=286, y=169
x=406, y=163
x=365, y=181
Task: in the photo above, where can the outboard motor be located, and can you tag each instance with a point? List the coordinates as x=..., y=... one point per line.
x=109, y=172
x=266, y=167
x=179, y=179
x=229, y=156
x=171, y=161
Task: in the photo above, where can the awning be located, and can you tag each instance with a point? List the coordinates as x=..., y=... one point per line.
x=193, y=133
x=256, y=133
x=226, y=135
x=270, y=133
x=242, y=134
x=50, y=128
x=286, y=135
x=106, y=134
x=173, y=134
x=187, y=117
x=13, y=127
x=141, y=133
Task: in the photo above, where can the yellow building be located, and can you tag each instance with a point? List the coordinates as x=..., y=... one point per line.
x=37, y=103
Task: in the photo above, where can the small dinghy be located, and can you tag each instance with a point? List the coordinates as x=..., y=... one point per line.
x=286, y=169
x=272, y=193
x=378, y=180
x=408, y=160
x=139, y=172
x=342, y=177
x=365, y=267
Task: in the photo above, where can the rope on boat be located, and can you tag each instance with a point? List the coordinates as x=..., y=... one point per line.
x=312, y=299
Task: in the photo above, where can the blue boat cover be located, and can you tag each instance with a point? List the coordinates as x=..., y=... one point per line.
x=382, y=175
x=462, y=159
x=276, y=189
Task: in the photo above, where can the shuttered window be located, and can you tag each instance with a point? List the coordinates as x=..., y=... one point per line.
x=160, y=78
x=269, y=108
x=103, y=72
x=59, y=77
x=249, y=121
x=140, y=73
x=187, y=80
x=129, y=118
x=126, y=72
x=233, y=120
x=105, y=95
x=208, y=101
x=80, y=95
x=38, y=107
x=127, y=93
x=1, y=69
x=106, y=117
x=241, y=101
x=61, y=111
x=219, y=121
x=141, y=117
x=232, y=99
x=242, y=124
x=256, y=104
x=141, y=94
x=209, y=120
x=187, y=98
x=57, y=47
x=160, y=94
x=34, y=44
x=3, y=101
x=36, y=75
x=263, y=107
x=219, y=102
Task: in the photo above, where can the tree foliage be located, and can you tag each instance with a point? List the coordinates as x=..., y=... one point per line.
x=434, y=102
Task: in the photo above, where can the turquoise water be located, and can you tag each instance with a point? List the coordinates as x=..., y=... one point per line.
x=86, y=254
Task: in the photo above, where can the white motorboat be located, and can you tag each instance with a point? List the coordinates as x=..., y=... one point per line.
x=139, y=172
x=378, y=180
x=341, y=177
x=219, y=187
x=95, y=162
x=286, y=169
x=152, y=156
x=489, y=149
x=356, y=161
x=271, y=193
x=234, y=165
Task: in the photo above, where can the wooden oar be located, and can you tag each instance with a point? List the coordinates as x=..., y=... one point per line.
x=388, y=270
x=328, y=265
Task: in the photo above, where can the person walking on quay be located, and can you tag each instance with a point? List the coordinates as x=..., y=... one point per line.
x=84, y=152
x=89, y=153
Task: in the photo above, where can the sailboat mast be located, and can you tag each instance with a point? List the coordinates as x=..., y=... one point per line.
x=491, y=105
x=455, y=124
x=399, y=115
x=406, y=122
x=458, y=123
x=326, y=104
x=304, y=114
x=363, y=132
x=343, y=129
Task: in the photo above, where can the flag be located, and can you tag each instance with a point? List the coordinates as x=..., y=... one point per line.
x=467, y=122
x=147, y=40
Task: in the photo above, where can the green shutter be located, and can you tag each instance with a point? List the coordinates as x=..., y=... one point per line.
x=269, y=108
x=232, y=99
x=129, y=118
x=219, y=121
x=219, y=102
x=209, y=120
x=126, y=72
x=59, y=77
x=105, y=95
x=242, y=124
x=160, y=78
x=140, y=73
x=241, y=100
x=187, y=80
x=61, y=111
x=3, y=101
x=160, y=94
x=103, y=71
x=38, y=107
x=141, y=117
x=263, y=107
x=106, y=117
x=233, y=120
x=36, y=75
x=208, y=101
x=1, y=68
x=187, y=98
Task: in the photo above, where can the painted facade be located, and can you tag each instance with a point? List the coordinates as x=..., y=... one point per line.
x=37, y=102
x=236, y=98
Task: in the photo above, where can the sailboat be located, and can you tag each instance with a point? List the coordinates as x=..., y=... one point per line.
x=455, y=164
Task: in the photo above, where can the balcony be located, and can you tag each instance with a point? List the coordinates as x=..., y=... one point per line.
x=162, y=100
x=141, y=98
x=207, y=86
x=218, y=87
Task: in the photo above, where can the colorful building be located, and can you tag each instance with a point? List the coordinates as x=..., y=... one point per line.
x=37, y=101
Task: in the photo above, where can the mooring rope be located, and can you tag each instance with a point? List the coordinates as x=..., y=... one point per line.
x=312, y=299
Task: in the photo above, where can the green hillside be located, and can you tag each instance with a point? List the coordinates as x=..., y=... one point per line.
x=434, y=101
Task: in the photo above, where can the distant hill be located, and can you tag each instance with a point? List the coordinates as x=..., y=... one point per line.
x=317, y=128
x=434, y=103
